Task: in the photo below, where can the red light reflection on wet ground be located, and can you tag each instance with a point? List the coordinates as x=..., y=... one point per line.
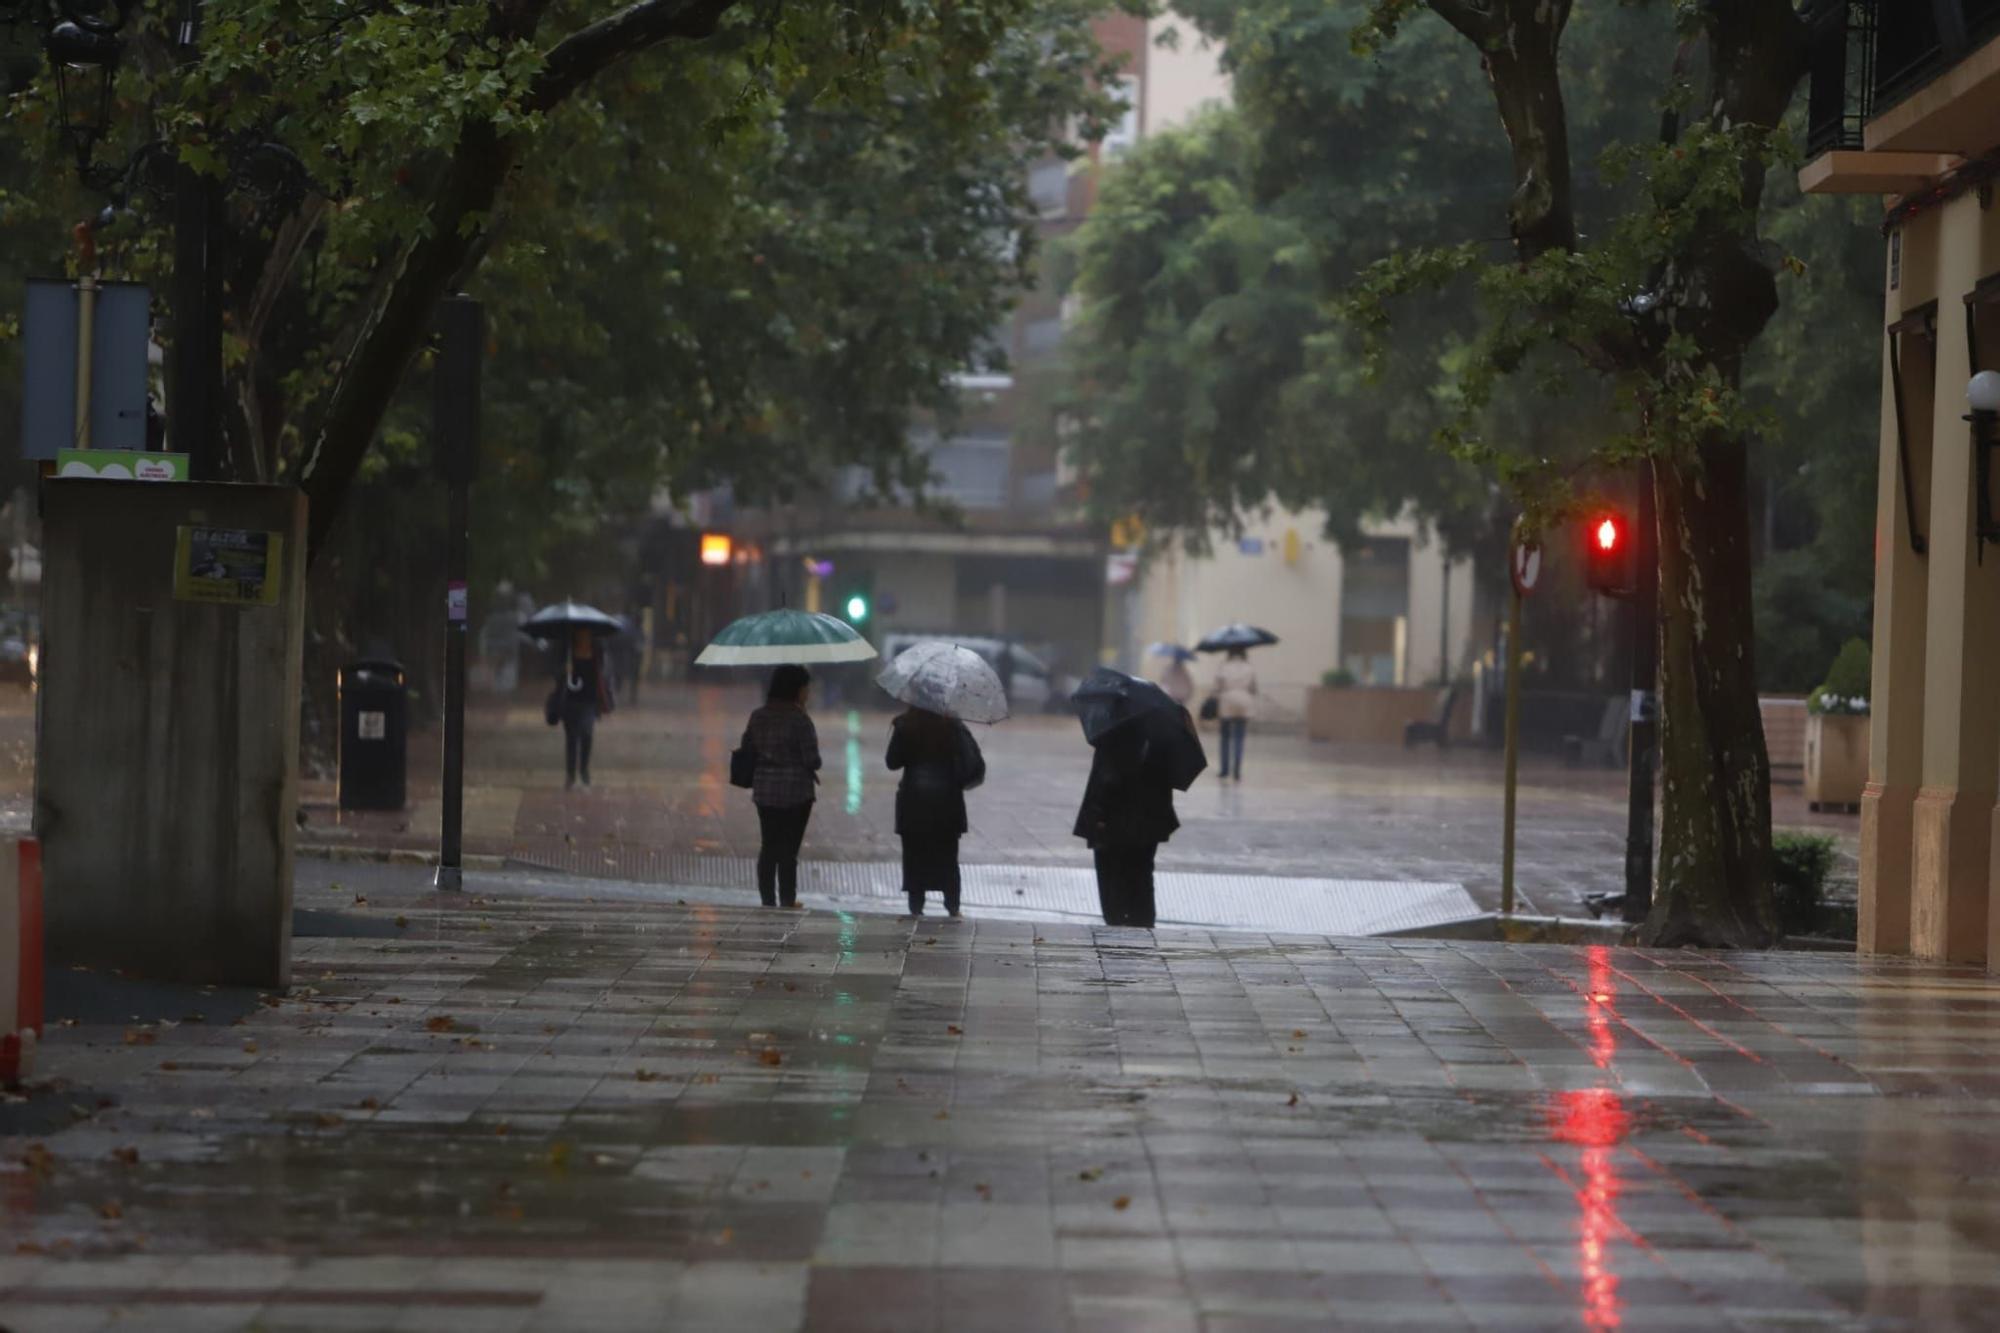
x=1595, y=1120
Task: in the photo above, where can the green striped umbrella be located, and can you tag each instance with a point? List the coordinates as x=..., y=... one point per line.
x=785, y=638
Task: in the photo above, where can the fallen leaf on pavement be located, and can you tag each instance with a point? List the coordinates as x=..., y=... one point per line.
x=559, y=1156
x=127, y=1156
x=954, y=1029
x=440, y=1023
x=771, y=1056
x=328, y=1120
x=1292, y=1100
x=140, y=1036
x=648, y=1076
x=1122, y=1202
x=942, y=1115
x=169, y=1065
x=402, y=921
x=39, y=1160
x=1091, y=1173
x=250, y=1046
x=370, y=1104
x=1298, y=1034
x=111, y=1210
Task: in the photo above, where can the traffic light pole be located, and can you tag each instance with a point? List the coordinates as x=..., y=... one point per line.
x=1643, y=741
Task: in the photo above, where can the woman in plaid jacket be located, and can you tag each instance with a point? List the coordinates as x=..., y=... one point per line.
x=786, y=747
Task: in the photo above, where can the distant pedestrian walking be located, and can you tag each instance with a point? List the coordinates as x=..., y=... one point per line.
x=940, y=762
x=1178, y=682
x=783, y=752
x=1236, y=699
x=582, y=695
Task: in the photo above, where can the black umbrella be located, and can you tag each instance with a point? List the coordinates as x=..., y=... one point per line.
x=1112, y=704
x=563, y=619
x=1238, y=635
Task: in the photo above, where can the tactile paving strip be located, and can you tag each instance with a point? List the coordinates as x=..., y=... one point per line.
x=1233, y=902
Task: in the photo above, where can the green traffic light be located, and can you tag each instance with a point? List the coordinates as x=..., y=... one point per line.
x=857, y=607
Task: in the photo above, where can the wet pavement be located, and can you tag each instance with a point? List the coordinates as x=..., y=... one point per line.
x=663, y=811
x=536, y=1110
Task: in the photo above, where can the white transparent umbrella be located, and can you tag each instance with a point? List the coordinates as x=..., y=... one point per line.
x=945, y=678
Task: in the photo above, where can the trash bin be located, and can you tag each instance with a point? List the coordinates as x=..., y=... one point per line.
x=374, y=736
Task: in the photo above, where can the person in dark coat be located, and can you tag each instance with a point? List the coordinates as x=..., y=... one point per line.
x=1128, y=811
x=782, y=737
x=939, y=762
x=584, y=694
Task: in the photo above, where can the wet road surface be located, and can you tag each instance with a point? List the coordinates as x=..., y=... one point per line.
x=662, y=808
x=535, y=1112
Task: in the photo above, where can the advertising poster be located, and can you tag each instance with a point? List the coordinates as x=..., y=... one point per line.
x=232, y=566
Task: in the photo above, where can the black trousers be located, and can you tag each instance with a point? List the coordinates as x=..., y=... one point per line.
x=579, y=730
x=930, y=865
x=1125, y=883
x=784, y=829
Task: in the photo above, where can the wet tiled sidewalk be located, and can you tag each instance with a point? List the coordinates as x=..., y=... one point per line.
x=530, y=1114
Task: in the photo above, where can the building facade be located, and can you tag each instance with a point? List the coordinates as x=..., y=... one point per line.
x=1905, y=104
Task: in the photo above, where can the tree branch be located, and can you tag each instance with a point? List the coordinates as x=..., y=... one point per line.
x=589, y=51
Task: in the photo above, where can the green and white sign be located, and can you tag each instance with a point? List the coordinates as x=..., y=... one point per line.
x=121, y=465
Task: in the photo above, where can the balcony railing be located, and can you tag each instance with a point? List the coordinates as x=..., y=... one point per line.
x=1868, y=55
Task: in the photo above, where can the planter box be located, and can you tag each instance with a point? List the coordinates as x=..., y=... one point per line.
x=1367, y=715
x=1836, y=759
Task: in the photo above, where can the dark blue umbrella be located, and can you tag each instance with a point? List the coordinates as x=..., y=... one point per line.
x=1111, y=704
x=1237, y=635
x=1173, y=650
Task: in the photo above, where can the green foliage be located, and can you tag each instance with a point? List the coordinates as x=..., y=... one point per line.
x=1801, y=864
x=1848, y=682
x=1803, y=616
x=1338, y=678
x=749, y=254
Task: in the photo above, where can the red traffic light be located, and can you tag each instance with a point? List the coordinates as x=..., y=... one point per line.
x=1609, y=564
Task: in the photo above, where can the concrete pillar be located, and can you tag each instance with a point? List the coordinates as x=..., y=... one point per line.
x=1896, y=726
x=1953, y=817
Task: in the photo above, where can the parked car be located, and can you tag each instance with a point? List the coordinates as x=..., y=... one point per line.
x=1035, y=687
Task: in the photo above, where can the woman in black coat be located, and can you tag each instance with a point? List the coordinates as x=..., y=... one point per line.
x=1128, y=811
x=939, y=762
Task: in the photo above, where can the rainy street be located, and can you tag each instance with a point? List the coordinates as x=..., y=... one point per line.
x=1316, y=837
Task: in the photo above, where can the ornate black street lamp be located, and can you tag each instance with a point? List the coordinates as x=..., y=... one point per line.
x=85, y=63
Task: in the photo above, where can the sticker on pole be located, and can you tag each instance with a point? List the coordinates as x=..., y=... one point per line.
x=454, y=603
x=1526, y=566
x=371, y=726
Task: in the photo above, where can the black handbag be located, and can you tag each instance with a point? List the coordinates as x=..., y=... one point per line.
x=743, y=765
x=1211, y=708
x=968, y=765
x=552, y=710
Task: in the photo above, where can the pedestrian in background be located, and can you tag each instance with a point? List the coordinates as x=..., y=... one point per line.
x=583, y=695
x=1128, y=811
x=1236, y=699
x=940, y=762
x=1178, y=682
x=784, y=748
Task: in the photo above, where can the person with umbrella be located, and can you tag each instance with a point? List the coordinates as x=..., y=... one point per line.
x=583, y=686
x=945, y=687
x=1176, y=679
x=1235, y=692
x=784, y=750
x=779, y=758
x=1146, y=749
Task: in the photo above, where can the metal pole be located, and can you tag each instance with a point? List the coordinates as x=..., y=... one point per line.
x=455, y=429
x=1513, y=749
x=451, y=853
x=1644, y=737
x=86, y=324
